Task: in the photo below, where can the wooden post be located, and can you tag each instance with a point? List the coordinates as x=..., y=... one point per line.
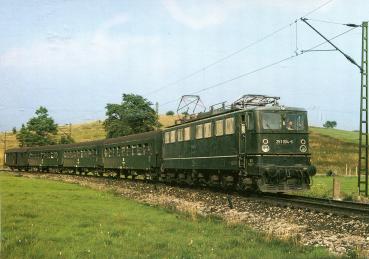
x=346, y=169
x=336, y=189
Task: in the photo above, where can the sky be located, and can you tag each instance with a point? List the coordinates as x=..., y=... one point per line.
x=74, y=57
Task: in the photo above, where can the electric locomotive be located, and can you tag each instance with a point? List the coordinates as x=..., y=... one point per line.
x=253, y=144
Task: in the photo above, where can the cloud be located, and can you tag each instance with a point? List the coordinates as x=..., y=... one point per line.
x=202, y=14
x=63, y=51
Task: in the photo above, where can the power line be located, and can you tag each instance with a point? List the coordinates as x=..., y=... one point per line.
x=316, y=9
x=236, y=52
x=221, y=59
x=325, y=21
x=261, y=68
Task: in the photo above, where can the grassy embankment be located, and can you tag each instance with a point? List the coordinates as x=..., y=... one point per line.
x=48, y=219
x=331, y=149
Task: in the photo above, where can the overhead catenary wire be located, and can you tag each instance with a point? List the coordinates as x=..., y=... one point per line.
x=206, y=67
x=263, y=67
x=220, y=60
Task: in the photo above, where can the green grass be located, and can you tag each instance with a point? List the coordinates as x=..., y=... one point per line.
x=342, y=135
x=329, y=153
x=323, y=187
x=47, y=219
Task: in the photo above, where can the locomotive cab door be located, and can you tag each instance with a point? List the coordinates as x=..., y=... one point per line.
x=242, y=134
x=242, y=141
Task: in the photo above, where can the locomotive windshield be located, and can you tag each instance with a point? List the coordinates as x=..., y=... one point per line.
x=291, y=121
x=272, y=120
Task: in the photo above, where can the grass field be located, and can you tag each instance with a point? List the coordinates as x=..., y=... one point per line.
x=47, y=219
x=343, y=135
x=329, y=153
x=323, y=187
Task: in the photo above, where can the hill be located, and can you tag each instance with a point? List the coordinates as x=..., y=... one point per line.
x=332, y=149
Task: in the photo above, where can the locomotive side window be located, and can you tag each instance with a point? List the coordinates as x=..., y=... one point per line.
x=219, y=128
x=229, y=126
x=199, y=129
x=250, y=121
x=207, y=130
x=166, y=137
x=180, y=135
x=173, y=136
x=272, y=120
x=187, y=133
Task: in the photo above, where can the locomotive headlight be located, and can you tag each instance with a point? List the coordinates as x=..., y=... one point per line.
x=303, y=141
x=303, y=148
x=265, y=141
x=265, y=148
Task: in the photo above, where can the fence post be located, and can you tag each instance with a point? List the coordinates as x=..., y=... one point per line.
x=336, y=189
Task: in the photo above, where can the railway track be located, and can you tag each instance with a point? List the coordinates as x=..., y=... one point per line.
x=346, y=208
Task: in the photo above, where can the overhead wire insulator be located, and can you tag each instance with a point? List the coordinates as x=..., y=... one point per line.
x=352, y=25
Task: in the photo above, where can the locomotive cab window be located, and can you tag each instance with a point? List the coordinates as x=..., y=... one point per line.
x=294, y=121
x=272, y=121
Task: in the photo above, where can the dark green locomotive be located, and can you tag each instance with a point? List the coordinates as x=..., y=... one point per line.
x=252, y=144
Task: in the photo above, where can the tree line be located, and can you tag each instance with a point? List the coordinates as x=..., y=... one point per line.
x=133, y=115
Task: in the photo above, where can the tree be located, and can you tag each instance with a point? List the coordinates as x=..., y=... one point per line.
x=330, y=124
x=66, y=139
x=14, y=130
x=40, y=130
x=133, y=115
x=170, y=113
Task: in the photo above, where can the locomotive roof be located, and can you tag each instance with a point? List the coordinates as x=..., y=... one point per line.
x=207, y=115
x=139, y=136
x=18, y=149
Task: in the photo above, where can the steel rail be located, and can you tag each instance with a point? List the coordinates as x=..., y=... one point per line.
x=346, y=208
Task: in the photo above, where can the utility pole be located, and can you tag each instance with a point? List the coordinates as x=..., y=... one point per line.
x=4, y=149
x=363, y=172
x=157, y=108
x=4, y=141
x=363, y=163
